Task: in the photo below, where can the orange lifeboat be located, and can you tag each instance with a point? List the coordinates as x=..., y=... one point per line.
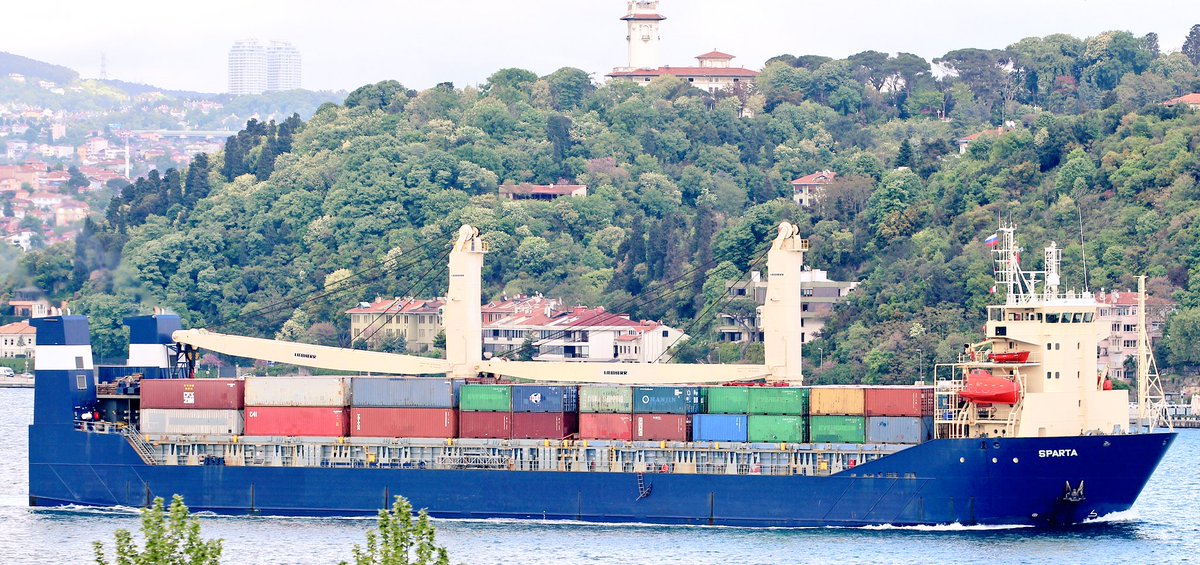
x=1014, y=357
x=986, y=388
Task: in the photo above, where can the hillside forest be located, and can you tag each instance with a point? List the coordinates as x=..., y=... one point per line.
x=294, y=222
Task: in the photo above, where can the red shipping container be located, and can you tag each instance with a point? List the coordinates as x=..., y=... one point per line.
x=898, y=401
x=485, y=425
x=404, y=422
x=668, y=427
x=544, y=425
x=316, y=421
x=606, y=426
x=203, y=394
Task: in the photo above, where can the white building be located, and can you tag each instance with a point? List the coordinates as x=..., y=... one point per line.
x=283, y=66
x=17, y=340
x=818, y=295
x=580, y=334
x=248, y=67
x=257, y=66
x=713, y=71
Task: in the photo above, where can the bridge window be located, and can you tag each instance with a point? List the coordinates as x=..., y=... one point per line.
x=1077, y=317
x=1051, y=318
x=1088, y=317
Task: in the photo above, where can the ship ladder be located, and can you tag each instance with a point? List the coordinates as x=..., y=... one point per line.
x=643, y=488
x=140, y=446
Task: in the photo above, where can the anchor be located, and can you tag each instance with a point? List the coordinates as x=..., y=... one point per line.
x=1073, y=494
x=643, y=488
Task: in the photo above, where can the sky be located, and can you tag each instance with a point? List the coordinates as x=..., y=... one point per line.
x=346, y=44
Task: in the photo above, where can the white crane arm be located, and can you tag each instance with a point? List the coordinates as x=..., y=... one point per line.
x=623, y=373
x=307, y=355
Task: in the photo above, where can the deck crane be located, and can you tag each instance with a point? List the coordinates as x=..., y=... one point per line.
x=780, y=314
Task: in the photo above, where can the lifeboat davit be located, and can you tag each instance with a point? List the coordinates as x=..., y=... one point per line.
x=986, y=388
x=1014, y=357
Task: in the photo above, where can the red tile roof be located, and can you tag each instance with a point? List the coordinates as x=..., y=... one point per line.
x=1127, y=298
x=547, y=189
x=974, y=136
x=644, y=17
x=1193, y=98
x=737, y=72
x=21, y=327
x=819, y=177
x=401, y=306
x=714, y=54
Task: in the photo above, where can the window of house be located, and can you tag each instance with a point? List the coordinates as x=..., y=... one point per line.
x=806, y=292
x=1130, y=327
x=1129, y=343
x=1116, y=327
x=665, y=333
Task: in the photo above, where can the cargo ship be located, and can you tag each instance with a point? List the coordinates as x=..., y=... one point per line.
x=1020, y=429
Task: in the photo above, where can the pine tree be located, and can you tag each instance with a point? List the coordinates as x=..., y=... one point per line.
x=1191, y=46
x=1150, y=42
x=904, y=158
x=196, y=186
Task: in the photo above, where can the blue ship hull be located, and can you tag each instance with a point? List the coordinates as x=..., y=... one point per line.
x=988, y=481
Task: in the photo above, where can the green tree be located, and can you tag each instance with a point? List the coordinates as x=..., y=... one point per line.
x=171, y=537
x=439, y=340
x=904, y=157
x=1191, y=45
x=77, y=180
x=1182, y=337
x=399, y=540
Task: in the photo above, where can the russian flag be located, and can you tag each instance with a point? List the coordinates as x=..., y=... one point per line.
x=992, y=240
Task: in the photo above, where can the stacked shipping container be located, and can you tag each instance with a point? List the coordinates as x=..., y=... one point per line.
x=441, y=408
x=664, y=413
x=544, y=412
x=403, y=407
x=755, y=414
x=191, y=406
x=837, y=415
x=899, y=414
x=606, y=412
x=297, y=406
x=485, y=411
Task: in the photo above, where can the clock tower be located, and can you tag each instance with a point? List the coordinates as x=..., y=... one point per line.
x=642, y=20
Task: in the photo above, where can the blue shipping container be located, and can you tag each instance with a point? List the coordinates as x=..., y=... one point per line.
x=540, y=398
x=415, y=392
x=719, y=427
x=668, y=400
x=896, y=429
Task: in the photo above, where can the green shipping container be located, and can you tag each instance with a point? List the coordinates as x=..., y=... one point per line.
x=598, y=399
x=728, y=399
x=485, y=398
x=778, y=400
x=775, y=429
x=837, y=429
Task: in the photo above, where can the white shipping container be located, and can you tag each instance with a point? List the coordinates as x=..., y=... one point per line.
x=191, y=421
x=297, y=391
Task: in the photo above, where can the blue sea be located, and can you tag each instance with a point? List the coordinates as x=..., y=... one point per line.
x=1164, y=527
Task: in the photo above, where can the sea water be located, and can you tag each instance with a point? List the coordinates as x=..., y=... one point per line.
x=1164, y=527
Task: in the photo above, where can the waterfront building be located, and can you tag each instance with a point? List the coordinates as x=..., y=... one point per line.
x=806, y=189
x=1118, y=320
x=17, y=339
x=417, y=320
x=818, y=295
x=713, y=70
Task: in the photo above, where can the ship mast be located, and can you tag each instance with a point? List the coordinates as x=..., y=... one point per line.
x=1151, y=400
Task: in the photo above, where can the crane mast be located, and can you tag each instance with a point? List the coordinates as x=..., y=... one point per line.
x=464, y=328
